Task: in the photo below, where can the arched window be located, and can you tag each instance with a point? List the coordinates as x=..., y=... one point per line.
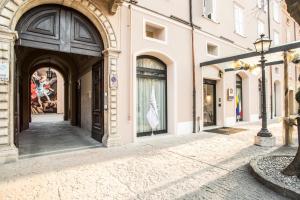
x=151, y=96
x=239, y=98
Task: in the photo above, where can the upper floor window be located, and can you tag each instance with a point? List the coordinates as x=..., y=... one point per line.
x=209, y=9
x=155, y=32
x=212, y=49
x=239, y=19
x=260, y=27
x=288, y=35
x=276, y=10
x=263, y=4
x=276, y=40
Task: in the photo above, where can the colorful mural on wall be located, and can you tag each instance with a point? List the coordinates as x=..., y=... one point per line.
x=43, y=92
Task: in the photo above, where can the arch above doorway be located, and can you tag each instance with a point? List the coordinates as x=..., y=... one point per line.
x=12, y=11
x=58, y=28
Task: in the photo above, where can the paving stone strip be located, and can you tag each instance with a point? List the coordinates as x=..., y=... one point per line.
x=195, y=166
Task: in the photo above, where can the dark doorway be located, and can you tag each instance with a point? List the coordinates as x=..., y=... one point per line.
x=209, y=99
x=239, y=98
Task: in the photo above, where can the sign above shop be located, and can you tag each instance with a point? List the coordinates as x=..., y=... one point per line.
x=4, y=72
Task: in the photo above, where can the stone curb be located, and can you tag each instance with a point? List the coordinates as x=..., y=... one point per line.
x=270, y=182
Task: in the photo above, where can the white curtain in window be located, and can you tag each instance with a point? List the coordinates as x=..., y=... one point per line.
x=144, y=94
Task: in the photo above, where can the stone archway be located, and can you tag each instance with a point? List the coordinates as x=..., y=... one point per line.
x=10, y=13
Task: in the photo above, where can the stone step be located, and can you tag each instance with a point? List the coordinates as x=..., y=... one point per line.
x=3, y=131
x=8, y=154
x=3, y=139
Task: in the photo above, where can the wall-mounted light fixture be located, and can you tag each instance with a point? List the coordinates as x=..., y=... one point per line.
x=221, y=73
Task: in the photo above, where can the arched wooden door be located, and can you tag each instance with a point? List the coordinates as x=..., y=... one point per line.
x=61, y=29
x=58, y=28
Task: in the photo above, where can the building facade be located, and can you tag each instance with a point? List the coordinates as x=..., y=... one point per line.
x=117, y=56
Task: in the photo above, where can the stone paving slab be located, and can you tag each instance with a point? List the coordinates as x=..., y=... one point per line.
x=196, y=166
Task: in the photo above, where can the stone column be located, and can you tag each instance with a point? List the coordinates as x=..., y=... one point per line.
x=8, y=152
x=111, y=134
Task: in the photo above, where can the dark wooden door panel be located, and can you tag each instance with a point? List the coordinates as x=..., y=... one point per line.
x=59, y=28
x=97, y=102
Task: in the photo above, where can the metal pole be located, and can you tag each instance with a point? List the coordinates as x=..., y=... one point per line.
x=194, y=66
x=264, y=132
x=271, y=68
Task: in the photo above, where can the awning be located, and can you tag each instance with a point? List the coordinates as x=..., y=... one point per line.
x=274, y=56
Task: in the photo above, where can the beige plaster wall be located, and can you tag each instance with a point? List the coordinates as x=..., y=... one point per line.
x=60, y=93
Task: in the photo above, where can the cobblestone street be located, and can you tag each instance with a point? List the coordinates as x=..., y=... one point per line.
x=196, y=166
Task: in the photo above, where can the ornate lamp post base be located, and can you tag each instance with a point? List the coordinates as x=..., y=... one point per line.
x=265, y=141
x=264, y=132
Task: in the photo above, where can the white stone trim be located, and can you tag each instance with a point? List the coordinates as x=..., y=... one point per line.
x=184, y=128
x=229, y=121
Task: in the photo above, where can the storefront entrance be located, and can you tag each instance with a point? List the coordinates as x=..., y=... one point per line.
x=239, y=98
x=209, y=105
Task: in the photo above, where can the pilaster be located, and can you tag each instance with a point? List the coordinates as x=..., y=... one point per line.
x=8, y=151
x=112, y=135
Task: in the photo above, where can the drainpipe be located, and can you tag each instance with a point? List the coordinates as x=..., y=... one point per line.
x=131, y=75
x=271, y=70
x=193, y=65
x=296, y=70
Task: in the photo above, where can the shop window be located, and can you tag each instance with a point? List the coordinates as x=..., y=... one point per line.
x=155, y=31
x=151, y=96
x=212, y=49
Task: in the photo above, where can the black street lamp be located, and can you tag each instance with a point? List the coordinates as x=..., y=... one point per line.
x=49, y=73
x=262, y=45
